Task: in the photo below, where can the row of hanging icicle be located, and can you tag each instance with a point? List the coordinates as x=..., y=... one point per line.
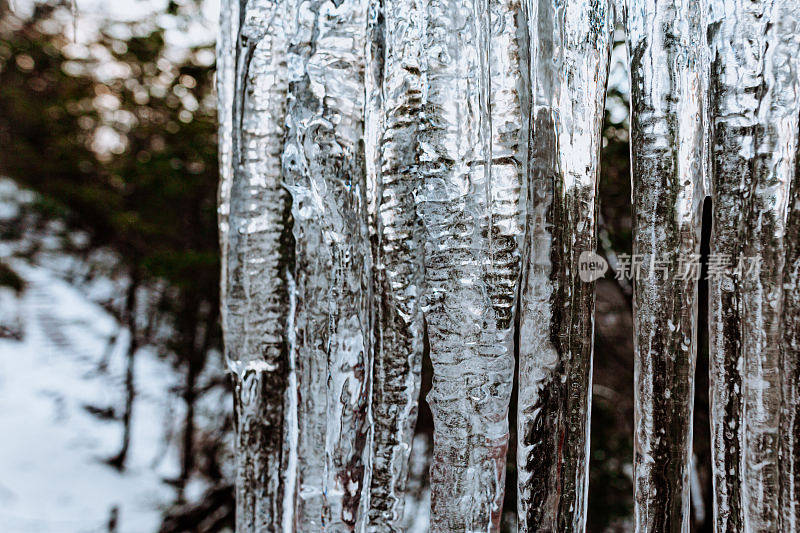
x=403, y=174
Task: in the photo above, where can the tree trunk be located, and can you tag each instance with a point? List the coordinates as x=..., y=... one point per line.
x=129, y=317
x=189, y=399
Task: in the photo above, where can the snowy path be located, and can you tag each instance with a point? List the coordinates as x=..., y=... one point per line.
x=52, y=474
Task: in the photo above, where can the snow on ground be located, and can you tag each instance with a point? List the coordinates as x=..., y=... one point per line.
x=53, y=477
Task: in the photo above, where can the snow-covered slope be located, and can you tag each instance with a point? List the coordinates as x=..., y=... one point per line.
x=62, y=368
x=53, y=476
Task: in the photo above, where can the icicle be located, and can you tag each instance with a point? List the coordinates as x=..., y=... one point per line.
x=324, y=169
x=291, y=427
x=570, y=48
x=256, y=242
x=399, y=343
x=226, y=82
x=669, y=84
x=755, y=49
x=469, y=204
x=373, y=130
x=790, y=365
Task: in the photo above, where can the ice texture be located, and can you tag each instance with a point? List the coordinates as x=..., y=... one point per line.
x=570, y=46
x=255, y=236
x=394, y=93
x=669, y=86
x=789, y=428
x=755, y=49
x=324, y=168
x=470, y=206
x=225, y=85
x=297, y=282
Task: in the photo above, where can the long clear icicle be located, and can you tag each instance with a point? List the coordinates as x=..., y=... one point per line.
x=225, y=84
x=324, y=168
x=790, y=365
x=669, y=84
x=755, y=49
x=570, y=45
x=469, y=203
x=256, y=254
x=399, y=332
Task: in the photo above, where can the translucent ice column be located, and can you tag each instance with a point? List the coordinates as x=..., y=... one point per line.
x=789, y=464
x=570, y=45
x=395, y=95
x=669, y=86
x=755, y=49
x=471, y=153
x=256, y=250
x=324, y=169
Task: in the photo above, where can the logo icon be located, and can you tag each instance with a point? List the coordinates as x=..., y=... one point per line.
x=591, y=266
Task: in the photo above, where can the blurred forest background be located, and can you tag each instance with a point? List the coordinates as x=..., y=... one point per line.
x=109, y=167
